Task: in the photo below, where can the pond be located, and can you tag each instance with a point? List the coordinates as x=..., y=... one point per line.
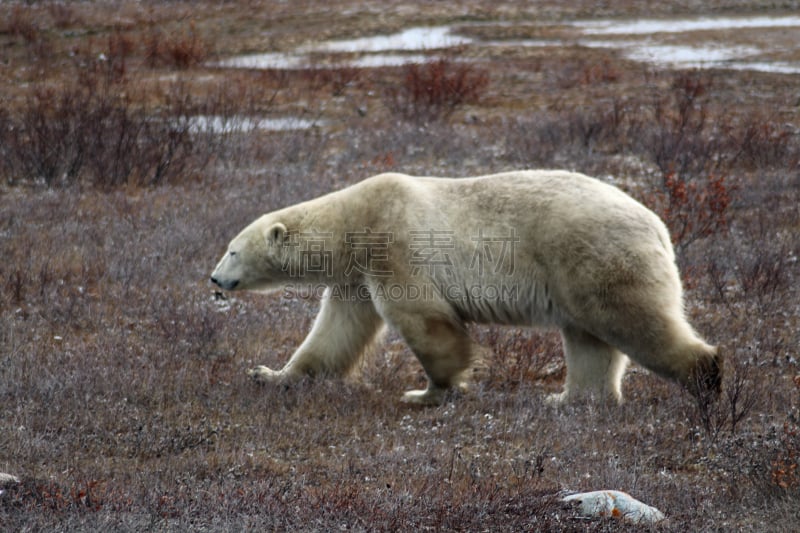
x=741, y=43
x=242, y=124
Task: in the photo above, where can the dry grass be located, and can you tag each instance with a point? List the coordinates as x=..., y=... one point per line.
x=125, y=403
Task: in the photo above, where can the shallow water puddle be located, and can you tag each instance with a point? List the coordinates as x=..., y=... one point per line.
x=687, y=56
x=267, y=61
x=412, y=39
x=704, y=55
x=654, y=41
x=649, y=27
x=217, y=124
x=709, y=52
x=409, y=40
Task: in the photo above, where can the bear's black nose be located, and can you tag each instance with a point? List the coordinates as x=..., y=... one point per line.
x=227, y=285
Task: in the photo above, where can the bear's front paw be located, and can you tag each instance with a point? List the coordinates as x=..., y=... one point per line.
x=262, y=374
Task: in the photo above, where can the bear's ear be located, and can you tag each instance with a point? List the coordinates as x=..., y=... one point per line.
x=276, y=234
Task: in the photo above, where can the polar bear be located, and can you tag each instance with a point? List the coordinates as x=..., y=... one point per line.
x=427, y=255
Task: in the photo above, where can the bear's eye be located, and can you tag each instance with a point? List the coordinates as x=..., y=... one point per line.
x=232, y=253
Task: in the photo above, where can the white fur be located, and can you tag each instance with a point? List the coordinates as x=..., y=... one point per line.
x=573, y=252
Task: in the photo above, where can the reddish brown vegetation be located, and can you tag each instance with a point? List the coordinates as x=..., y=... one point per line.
x=436, y=89
x=125, y=403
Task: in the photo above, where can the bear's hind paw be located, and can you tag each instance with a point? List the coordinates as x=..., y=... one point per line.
x=556, y=399
x=262, y=374
x=429, y=396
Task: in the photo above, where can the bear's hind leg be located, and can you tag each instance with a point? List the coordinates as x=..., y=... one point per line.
x=445, y=351
x=667, y=345
x=593, y=367
x=341, y=333
x=443, y=347
x=689, y=361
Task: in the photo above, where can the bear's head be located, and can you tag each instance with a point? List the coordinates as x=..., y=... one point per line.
x=255, y=259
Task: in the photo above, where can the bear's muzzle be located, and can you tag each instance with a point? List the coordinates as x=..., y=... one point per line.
x=227, y=285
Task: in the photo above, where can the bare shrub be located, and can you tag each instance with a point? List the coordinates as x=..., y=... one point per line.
x=604, y=127
x=677, y=139
x=434, y=90
x=590, y=72
x=437, y=147
x=99, y=129
x=692, y=208
x=677, y=130
x=23, y=23
x=763, y=273
x=520, y=357
x=182, y=49
x=36, y=140
x=785, y=473
x=119, y=49
x=338, y=79
x=759, y=142
x=683, y=134
x=50, y=497
x=754, y=270
x=93, y=134
x=774, y=464
x=576, y=134
x=534, y=141
x=739, y=396
x=63, y=14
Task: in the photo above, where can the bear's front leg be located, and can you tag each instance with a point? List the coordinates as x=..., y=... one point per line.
x=339, y=337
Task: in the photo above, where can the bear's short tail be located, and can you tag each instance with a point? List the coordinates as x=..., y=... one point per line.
x=705, y=379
